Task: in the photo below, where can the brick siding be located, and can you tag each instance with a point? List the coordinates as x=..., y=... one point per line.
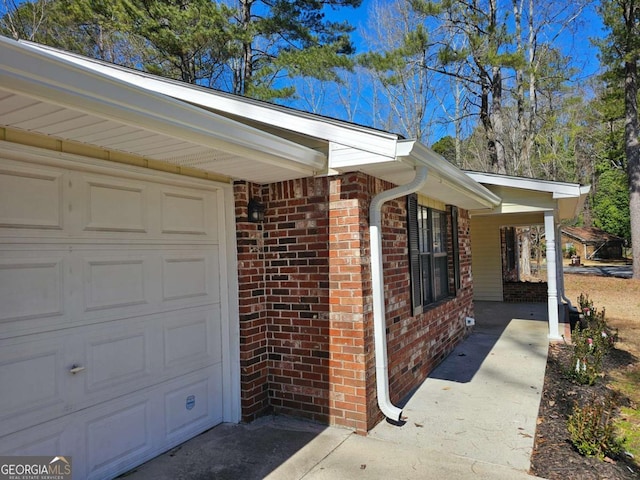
x=524, y=292
x=306, y=320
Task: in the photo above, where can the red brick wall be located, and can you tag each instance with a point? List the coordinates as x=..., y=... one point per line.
x=524, y=292
x=306, y=320
x=351, y=350
x=254, y=366
x=415, y=345
x=297, y=296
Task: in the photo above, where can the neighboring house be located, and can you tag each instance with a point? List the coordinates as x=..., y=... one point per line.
x=173, y=257
x=591, y=242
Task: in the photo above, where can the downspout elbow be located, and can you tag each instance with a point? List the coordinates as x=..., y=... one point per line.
x=379, y=315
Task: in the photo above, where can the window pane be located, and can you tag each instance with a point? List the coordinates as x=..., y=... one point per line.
x=440, y=277
x=423, y=228
x=439, y=237
x=425, y=267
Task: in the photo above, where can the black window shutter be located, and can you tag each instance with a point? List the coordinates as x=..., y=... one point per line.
x=414, y=253
x=455, y=248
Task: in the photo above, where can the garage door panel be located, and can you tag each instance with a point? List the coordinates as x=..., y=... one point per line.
x=110, y=311
x=115, y=281
x=30, y=287
x=190, y=406
x=114, y=362
x=144, y=424
x=186, y=213
x=192, y=341
x=114, y=206
x=184, y=277
x=30, y=198
x=130, y=424
x=192, y=276
x=33, y=379
x=46, y=440
x=138, y=352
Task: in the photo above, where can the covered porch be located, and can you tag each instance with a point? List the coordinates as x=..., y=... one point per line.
x=526, y=203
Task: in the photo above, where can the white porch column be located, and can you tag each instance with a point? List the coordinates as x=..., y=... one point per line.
x=552, y=272
x=560, y=269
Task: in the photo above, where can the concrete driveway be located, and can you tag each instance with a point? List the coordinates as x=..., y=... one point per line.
x=473, y=418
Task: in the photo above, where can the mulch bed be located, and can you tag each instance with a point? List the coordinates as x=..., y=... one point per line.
x=554, y=457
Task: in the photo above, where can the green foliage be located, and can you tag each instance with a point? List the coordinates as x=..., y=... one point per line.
x=592, y=429
x=594, y=322
x=446, y=147
x=569, y=251
x=287, y=38
x=251, y=49
x=186, y=40
x=611, y=203
x=586, y=361
x=592, y=339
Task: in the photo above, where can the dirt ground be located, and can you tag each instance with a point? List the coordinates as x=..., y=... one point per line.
x=554, y=457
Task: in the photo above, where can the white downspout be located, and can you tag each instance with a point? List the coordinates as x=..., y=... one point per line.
x=560, y=269
x=377, y=278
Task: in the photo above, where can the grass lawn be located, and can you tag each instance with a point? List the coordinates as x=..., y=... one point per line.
x=621, y=300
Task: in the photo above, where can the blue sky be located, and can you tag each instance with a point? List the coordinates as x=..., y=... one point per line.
x=576, y=45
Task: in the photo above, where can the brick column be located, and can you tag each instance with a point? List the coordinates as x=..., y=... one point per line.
x=347, y=348
x=253, y=316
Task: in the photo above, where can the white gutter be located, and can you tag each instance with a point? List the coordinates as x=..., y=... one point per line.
x=357, y=136
x=43, y=76
x=447, y=174
x=377, y=277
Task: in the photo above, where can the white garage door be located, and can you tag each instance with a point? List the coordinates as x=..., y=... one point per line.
x=111, y=302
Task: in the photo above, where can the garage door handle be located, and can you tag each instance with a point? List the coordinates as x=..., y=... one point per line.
x=75, y=369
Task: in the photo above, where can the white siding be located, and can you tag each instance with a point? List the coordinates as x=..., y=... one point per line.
x=486, y=260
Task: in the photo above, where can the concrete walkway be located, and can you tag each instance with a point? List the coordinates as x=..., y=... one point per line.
x=473, y=418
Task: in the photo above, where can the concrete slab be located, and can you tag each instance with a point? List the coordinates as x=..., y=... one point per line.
x=473, y=418
x=281, y=448
x=482, y=401
x=368, y=458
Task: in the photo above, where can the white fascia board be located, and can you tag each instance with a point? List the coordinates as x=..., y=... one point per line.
x=448, y=173
x=52, y=79
x=557, y=189
x=316, y=126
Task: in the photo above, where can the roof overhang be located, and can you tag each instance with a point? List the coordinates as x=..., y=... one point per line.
x=521, y=195
x=445, y=182
x=48, y=95
x=266, y=114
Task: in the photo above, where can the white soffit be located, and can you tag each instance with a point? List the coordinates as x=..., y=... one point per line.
x=43, y=94
x=363, y=138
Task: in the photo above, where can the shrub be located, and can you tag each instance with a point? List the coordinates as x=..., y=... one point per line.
x=586, y=360
x=593, y=322
x=592, y=430
x=592, y=340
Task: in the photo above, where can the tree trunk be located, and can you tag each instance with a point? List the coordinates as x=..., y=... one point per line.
x=497, y=122
x=632, y=151
x=524, y=254
x=243, y=70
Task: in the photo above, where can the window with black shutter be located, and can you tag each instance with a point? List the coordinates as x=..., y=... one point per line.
x=428, y=253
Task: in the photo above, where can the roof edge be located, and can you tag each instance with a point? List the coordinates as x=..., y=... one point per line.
x=448, y=173
x=30, y=70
